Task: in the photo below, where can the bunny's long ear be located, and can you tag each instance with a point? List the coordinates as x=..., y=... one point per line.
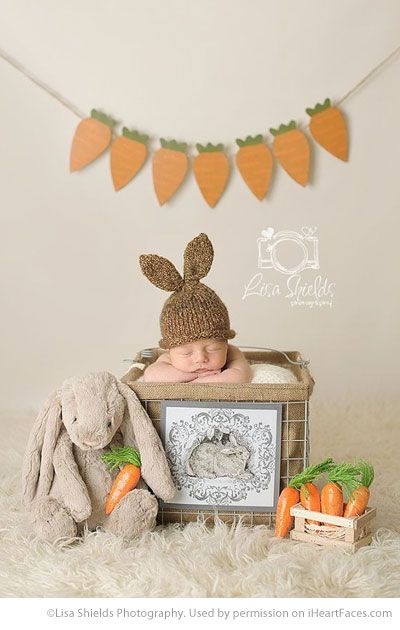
x=37, y=467
x=161, y=272
x=138, y=430
x=198, y=258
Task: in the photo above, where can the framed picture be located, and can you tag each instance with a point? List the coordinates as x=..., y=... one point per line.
x=223, y=455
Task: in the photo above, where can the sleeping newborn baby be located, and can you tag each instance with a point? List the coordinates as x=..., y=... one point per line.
x=201, y=361
x=194, y=323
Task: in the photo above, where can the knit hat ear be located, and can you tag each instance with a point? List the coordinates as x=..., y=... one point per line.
x=198, y=258
x=161, y=272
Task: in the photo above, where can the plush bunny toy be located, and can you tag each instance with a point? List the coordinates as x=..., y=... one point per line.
x=65, y=482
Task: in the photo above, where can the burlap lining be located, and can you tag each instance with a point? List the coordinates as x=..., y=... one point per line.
x=293, y=396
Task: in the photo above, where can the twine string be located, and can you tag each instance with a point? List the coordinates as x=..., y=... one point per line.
x=369, y=75
x=325, y=531
x=75, y=110
x=46, y=88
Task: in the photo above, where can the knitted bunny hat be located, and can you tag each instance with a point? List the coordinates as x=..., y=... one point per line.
x=193, y=311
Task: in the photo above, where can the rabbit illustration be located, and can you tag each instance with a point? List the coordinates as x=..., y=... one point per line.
x=65, y=483
x=218, y=456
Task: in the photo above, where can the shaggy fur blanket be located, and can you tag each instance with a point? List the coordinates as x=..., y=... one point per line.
x=196, y=561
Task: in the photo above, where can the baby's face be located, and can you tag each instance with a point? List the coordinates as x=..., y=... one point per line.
x=199, y=356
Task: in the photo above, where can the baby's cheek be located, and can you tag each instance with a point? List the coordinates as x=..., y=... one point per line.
x=183, y=364
x=220, y=360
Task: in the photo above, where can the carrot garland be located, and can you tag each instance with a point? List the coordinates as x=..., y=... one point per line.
x=328, y=128
x=358, y=499
x=254, y=161
x=91, y=139
x=127, y=478
x=211, y=166
x=211, y=171
x=128, y=154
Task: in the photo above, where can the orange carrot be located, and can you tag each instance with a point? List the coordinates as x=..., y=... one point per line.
x=310, y=499
x=211, y=170
x=284, y=521
x=254, y=161
x=128, y=476
x=170, y=165
x=358, y=500
x=341, y=477
x=92, y=137
x=328, y=128
x=292, y=150
x=332, y=499
x=128, y=154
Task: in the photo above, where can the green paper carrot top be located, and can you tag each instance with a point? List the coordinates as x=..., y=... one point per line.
x=135, y=135
x=173, y=145
x=283, y=128
x=207, y=148
x=250, y=141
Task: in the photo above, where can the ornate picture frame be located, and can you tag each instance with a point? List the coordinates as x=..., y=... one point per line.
x=223, y=455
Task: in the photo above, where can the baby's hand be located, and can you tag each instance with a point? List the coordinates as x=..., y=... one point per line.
x=202, y=376
x=188, y=377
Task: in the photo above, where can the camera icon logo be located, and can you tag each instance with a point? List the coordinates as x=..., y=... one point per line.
x=288, y=252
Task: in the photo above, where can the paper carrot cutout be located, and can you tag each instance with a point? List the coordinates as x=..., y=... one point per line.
x=211, y=170
x=254, y=161
x=328, y=128
x=92, y=137
x=292, y=150
x=128, y=154
x=170, y=165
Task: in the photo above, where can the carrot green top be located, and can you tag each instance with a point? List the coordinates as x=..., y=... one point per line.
x=346, y=476
x=135, y=135
x=102, y=118
x=311, y=111
x=173, y=145
x=209, y=148
x=120, y=455
x=366, y=472
x=283, y=128
x=312, y=472
x=250, y=140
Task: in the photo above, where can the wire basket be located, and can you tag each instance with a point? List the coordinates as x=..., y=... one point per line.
x=294, y=398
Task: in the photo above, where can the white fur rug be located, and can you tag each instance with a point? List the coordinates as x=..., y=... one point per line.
x=219, y=562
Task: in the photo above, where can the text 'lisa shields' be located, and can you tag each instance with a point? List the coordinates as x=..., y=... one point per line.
x=288, y=268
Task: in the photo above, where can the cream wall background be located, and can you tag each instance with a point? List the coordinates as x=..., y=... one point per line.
x=74, y=299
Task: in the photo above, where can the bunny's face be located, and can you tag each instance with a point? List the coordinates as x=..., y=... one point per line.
x=92, y=410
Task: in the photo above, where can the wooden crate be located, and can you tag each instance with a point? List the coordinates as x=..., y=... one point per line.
x=349, y=533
